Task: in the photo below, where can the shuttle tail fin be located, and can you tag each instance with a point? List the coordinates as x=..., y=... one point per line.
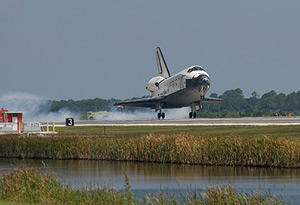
x=161, y=64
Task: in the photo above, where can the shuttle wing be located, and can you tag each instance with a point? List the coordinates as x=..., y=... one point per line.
x=211, y=100
x=161, y=64
x=164, y=100
x=144, y=102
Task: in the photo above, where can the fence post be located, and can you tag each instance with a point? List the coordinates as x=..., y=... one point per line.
x=53, y=130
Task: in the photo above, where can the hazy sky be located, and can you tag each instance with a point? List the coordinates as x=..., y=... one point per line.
x=87, y=49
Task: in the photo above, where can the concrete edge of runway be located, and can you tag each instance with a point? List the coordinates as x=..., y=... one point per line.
x=262, y=121
x=225, y=124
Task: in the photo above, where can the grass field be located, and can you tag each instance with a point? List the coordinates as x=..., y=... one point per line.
x=290, y=131
x=266, y=146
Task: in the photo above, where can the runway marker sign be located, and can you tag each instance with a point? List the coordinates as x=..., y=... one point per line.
x=69, y=121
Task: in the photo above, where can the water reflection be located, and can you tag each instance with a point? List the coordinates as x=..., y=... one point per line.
x=146, y=177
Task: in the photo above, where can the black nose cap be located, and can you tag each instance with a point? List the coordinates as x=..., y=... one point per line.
x=204, y=80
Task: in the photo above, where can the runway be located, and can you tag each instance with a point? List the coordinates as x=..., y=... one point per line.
x=258, y=121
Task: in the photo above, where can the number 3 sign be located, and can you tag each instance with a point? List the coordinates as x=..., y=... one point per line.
x=69, y=121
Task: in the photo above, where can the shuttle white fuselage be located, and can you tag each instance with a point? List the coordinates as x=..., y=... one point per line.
x=186, y=88
x=159, y=86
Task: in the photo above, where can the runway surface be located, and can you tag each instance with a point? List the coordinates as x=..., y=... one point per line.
x=260, y=121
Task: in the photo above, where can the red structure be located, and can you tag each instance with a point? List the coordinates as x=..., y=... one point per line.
x=2, y=111
x=11, y=117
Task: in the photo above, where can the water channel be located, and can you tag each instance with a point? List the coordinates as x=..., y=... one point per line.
x=148, y=178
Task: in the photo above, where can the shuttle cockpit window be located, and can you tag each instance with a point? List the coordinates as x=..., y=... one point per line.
x=195, y=68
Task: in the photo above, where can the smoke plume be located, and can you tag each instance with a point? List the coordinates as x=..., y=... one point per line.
x=34, y=107
x=146, y=114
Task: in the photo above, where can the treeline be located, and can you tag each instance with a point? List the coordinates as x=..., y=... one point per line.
x=78, y=106
x=269, y=104
x=83, y=106
x=234, y=105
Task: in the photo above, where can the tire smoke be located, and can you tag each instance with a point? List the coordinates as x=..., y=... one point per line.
x=35, y=108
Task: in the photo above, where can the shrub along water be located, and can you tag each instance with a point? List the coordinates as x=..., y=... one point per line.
x=28, y=185
x=182, y=148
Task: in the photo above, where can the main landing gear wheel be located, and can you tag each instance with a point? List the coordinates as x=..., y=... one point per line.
x=161, y=115
x=192, y=115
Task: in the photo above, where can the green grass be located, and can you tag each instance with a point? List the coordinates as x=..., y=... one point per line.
x=29, y=186
x=290, y=131
x=9, y=203
x=182, y=148
x=266, y=146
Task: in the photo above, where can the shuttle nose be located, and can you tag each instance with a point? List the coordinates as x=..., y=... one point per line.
x=204, y=80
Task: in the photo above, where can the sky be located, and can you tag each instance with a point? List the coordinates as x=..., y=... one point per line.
x=74, y=49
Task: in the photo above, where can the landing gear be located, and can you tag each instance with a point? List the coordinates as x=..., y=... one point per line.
x=192, y=115
x=161, y=115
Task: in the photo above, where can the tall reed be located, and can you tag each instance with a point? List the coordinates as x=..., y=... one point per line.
x=28, y=185
x=182, y=148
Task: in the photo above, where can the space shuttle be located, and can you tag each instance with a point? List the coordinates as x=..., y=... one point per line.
x=184, y=89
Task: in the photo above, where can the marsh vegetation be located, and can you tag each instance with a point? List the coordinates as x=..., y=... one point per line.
x=28, y=185
x=271, y=146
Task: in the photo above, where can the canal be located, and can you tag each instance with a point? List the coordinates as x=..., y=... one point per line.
x=177, y=179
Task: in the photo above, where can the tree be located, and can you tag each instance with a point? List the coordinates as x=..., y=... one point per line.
x=233, y=100
x=268, y=100
x=280, y=101
x=255, y=95
x=253, y=101
x=213, y=95
x=292, y=102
